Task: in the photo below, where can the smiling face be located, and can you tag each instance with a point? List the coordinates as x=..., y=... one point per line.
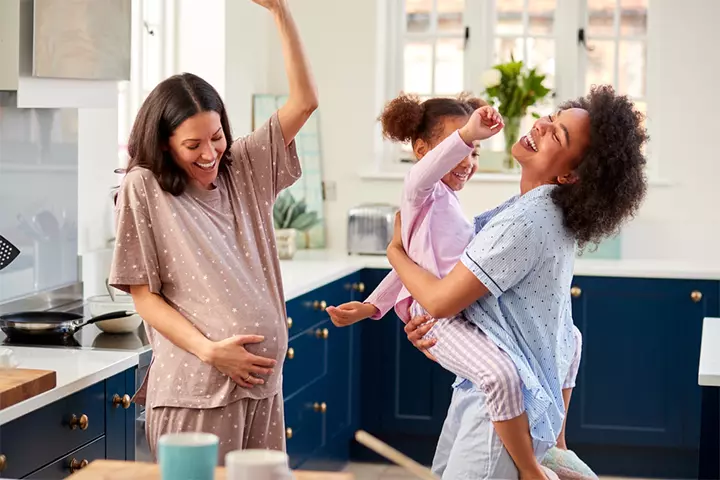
x=463, y=171
x=197, y=146
x=553, y=148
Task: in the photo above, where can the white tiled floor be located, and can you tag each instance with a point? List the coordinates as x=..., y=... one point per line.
x=370, y=471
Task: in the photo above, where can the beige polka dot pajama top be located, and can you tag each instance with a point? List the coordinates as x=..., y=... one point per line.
x=211, y=254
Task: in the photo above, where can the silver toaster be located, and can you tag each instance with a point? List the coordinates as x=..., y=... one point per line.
x=370, y=228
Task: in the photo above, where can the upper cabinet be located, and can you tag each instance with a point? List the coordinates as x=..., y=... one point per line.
x=82, y=39
x=65, y=53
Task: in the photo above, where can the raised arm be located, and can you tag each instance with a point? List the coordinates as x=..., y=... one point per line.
x=303, y=97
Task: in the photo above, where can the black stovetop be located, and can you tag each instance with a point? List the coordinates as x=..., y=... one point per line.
x=88, y=336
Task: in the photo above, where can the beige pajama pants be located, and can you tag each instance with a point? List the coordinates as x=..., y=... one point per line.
x=240, y=425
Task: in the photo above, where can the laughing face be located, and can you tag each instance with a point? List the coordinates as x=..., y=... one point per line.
x=552, y=149
x=197, y=146
x=463, y=171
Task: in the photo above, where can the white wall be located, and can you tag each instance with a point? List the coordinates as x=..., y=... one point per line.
x=681, y=221
x=201, y=41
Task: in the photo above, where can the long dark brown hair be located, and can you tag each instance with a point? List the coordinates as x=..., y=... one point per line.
x=171, y=102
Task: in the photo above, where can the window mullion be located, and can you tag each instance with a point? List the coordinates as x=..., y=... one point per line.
x=616, y=29
x=525, y=30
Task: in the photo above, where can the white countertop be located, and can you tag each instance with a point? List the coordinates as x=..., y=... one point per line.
x=76, y=369
x=709, y=369
x=311, y=269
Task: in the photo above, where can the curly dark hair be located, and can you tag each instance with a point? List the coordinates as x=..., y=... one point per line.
x=407, y=118
x=611, y=176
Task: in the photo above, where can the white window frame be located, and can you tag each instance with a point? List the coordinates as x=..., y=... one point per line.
x=479, y=17
x=131, y=93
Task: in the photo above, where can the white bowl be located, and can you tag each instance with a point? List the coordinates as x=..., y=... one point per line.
x=101, y=304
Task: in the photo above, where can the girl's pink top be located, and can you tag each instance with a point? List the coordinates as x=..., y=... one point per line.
x=434, y=230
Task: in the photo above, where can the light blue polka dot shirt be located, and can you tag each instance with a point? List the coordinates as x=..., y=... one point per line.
x=525, y=256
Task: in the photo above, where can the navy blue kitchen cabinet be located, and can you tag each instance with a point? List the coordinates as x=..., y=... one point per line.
x=405, y=396
x=52, y=442
x=636, y=407
x=321, y=378
x=635, y=410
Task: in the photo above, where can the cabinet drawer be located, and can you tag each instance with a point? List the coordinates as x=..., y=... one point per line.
x=72, y=462
x=40, y=437
x=307, y=358
x=305, y=311
x=304, y=423
x=308, y=310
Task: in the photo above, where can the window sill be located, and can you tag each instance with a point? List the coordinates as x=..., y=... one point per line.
x=486, y=177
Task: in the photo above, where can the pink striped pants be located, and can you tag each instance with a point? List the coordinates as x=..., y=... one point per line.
x=466, y=351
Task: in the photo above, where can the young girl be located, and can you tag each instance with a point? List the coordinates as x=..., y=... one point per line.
x=435, y=233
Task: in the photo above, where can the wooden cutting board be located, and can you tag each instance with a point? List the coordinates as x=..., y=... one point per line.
x=118, y=470
x=18, y=384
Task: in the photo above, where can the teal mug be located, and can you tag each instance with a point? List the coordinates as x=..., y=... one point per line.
x=188, y=456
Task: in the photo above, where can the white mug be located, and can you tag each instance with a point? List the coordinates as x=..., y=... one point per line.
x=256, y=464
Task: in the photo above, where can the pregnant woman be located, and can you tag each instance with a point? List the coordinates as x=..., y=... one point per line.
x=195, y=248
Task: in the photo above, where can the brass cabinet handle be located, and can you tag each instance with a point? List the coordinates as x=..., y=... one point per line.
x=320, y=407
x=322, y=333
x=76, y=465
x=81, y=422
x=289, y=323
x=125, y=401
x=288, y=433
x=320, y=305
x=696, y=296
x=575, y=292
x=358, y=287
x=290, y=353
x=3, y=462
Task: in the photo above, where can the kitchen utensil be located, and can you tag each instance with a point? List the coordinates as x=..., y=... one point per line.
x=18, y=384
x=102, y=304
x=51, y=324
x=8, y=252
x=109, y=289
x=370, y=228
x=188, y=455
x=47, y=224
x=394, y=456
x=30, y=229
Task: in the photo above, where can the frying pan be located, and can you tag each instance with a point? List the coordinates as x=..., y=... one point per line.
x=53, y=324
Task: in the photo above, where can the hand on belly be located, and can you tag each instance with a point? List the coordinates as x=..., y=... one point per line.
x=231, y=357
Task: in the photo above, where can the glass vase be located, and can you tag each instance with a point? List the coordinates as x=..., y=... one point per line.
x=512, y=133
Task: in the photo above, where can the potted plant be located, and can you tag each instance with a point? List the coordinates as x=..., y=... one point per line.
x=513, y=89
x=290, y=216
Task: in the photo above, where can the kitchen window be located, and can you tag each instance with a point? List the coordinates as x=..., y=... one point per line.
x=441, y=47
x=153, y=59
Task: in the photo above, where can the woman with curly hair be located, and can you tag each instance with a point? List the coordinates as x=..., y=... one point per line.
x=443, y=133
x=583, y=175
